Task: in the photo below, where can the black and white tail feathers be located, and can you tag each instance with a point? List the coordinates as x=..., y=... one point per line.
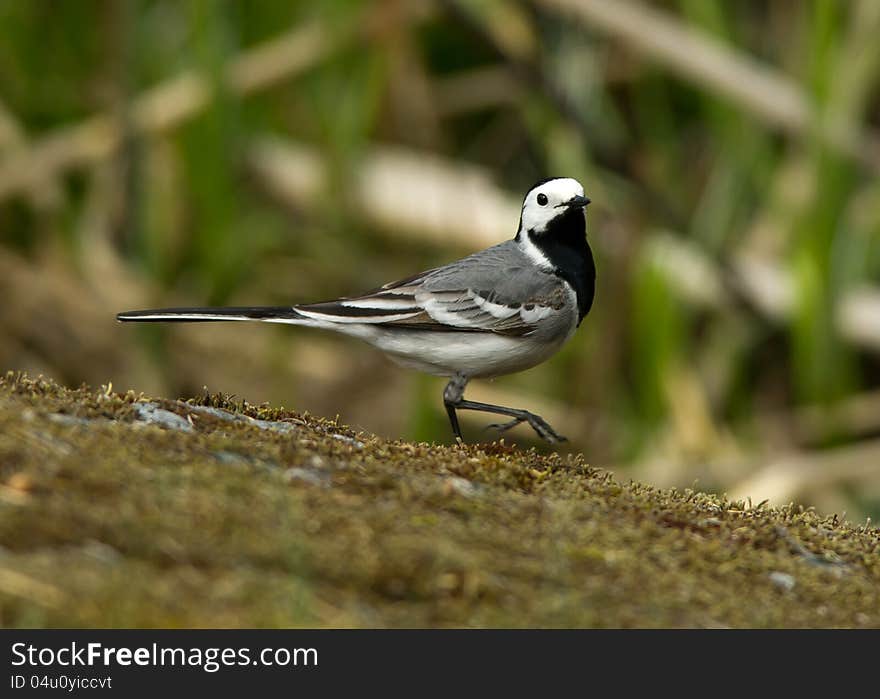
x=374, y=310
x=271, y=314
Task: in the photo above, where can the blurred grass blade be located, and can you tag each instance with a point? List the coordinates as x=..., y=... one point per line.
x=719, y=69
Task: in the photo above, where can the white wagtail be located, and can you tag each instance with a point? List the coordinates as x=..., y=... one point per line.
x=496, y=312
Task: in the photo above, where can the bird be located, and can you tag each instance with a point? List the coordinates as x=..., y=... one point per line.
x=498, y=311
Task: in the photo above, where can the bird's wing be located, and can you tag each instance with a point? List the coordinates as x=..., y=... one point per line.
x=496, y=290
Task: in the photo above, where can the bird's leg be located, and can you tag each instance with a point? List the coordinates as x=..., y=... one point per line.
x=453, y=398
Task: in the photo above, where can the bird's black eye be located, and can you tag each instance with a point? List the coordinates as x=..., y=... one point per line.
x=542, y=199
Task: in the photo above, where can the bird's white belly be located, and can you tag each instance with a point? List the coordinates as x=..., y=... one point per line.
x=476, y=355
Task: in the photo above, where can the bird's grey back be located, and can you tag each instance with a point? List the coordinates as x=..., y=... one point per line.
x=502, y=274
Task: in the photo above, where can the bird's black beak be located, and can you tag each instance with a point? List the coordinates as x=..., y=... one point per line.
x=576, y=202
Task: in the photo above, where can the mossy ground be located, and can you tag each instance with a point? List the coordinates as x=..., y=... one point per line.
x=107, y=519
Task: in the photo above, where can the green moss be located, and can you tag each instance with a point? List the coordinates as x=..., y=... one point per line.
x=285, y=520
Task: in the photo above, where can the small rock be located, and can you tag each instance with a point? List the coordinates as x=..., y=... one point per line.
x=230, y=458
x=356, y=443
x=219, y=413
x=462, y=486
x=322, y=480
x=227, y=416
x=783, y=581
x=272, y=425
x=154, y=415
x=101, y=552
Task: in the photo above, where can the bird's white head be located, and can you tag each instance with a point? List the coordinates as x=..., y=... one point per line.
x=549, y=199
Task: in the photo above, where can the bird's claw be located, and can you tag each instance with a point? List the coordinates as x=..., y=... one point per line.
x=504, y=426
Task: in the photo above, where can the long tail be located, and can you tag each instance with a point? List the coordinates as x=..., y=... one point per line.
x=267, y=314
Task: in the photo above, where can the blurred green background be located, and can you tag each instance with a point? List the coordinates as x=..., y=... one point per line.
x=158, y=153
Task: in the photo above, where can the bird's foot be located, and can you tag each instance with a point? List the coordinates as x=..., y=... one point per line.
x=536, y=422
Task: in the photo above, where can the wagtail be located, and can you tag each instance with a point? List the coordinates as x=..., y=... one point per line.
x=499, y=311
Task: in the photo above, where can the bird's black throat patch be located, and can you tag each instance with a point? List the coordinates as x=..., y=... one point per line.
x=564, y=244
